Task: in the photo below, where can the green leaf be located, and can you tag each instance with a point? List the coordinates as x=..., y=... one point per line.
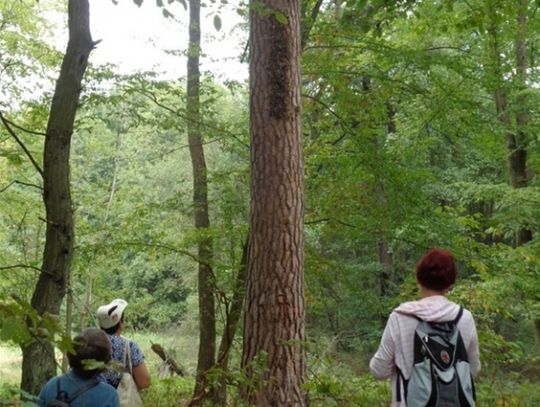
x=159, y=3
x=167, y=13
x=282, y=18
x=138, y=2
x=217, y=22
x=361, y=4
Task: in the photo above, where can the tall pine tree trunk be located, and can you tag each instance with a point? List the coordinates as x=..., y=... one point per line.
x=274, y=319
x=207, y=320
x=39, y=362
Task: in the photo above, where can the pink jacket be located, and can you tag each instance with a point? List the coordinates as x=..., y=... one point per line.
x=396, y=348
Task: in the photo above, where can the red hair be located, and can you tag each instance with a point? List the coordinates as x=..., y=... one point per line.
x=436, y=270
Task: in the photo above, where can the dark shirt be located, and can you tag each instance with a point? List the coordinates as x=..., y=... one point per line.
x=101, y=395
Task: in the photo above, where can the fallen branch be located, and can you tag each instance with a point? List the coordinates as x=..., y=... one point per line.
x=158, y=349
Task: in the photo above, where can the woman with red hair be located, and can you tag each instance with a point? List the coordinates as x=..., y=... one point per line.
x=436, y=274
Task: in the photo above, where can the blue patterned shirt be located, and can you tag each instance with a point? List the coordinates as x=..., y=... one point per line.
x=118, y=346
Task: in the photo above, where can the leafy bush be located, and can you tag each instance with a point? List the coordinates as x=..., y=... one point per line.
x=508, y=392
x=167, y=392
x=328, y=390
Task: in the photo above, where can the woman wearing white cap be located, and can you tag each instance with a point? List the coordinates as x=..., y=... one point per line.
x=111, y=320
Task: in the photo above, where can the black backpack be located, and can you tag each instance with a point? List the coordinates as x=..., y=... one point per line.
x=441, y=375
x=63, y=399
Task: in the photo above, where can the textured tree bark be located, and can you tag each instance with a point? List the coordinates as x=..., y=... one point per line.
x=207, y=320
x=39, y=362
x=274, y=319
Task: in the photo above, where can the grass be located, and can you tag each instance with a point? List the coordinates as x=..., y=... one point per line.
x=183, y=348
x=10, y=364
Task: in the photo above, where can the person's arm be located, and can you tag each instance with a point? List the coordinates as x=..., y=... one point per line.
x=140, y=372
x=382, y=363
x=141, y=376
x=473, y=351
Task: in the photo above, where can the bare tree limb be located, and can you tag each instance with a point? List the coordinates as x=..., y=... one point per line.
x=37, y=133
x=18, y=140
x=20, y=183
x=309, y=21
x=158, y=103
x=328, y=220
x=163, y=246
x=20, y=266
x=162, y=353
x=447, y=47
x=7, y=186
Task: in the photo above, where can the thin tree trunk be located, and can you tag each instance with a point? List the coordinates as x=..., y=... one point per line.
x=233, y=314
x=522, y=119
x=518, y=147
x=89, y=289
x=339, y=9
x=274, y=318
x=116, y=171
x=207, y=319
x=516, y=141
x=69, y=319
x=515, y=138
x=385, y=260
x=39, y=363
x=90, y=280
x=308, y=19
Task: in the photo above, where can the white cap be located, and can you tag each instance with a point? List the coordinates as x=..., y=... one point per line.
x=109, y=315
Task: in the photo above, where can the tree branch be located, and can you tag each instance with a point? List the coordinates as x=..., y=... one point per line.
x=447, y=47
x=313, y=222
x=20, y=183
x=309, y=21
x=20, y=266
x=158, y=103
x=163, y=246
x=37, y=133
x=26, y=151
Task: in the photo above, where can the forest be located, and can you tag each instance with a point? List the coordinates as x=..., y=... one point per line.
x=262, y=230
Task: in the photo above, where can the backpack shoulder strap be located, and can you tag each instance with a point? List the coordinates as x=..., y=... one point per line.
x=60, y=394
x=459, y=315
x=83, y=389
x=127, y=356
x=400, y=378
